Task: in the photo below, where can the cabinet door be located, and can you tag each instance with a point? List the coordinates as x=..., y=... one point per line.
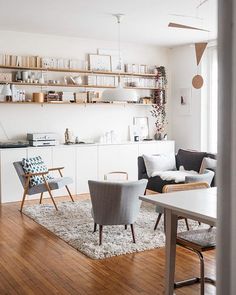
x=157, y=147
x=121, y=157
x=87, y=167
x=11, y=187
x=65, y=157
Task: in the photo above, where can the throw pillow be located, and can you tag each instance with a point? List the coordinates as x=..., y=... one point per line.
x=208, y=163
x=190, y=160
x=35, y=165
x=163, y=162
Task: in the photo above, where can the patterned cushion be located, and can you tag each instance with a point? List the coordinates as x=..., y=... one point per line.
x=35, y=165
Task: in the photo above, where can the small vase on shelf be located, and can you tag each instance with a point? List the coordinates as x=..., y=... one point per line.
x=158, y=136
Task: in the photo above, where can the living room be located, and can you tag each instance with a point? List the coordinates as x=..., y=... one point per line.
x=108, y=117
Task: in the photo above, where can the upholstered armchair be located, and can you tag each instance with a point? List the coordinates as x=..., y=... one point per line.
x=45, y=186
x=116, y=203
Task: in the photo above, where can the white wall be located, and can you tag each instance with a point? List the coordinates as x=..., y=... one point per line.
x=185, y=129
x=86, y=122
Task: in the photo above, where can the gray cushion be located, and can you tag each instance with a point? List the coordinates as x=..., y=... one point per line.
x=202, y=237
x=207, y=177
x=55, y=183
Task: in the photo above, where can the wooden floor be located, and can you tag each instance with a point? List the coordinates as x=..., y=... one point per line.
x=34, y=261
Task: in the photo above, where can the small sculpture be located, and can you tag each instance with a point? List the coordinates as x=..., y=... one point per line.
x=68, y=137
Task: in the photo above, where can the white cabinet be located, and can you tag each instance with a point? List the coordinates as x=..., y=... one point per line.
x=44, y=152
x=157, y=147
x=11, y=187
x=65, y=157
x=86, y=167
x=119, y=157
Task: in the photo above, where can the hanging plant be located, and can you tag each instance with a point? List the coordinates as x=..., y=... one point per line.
x=159, y=98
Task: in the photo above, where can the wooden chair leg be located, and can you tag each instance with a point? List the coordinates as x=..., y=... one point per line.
x=25, y=193
x=100, y=234
x=157, y=222
x=41, y=197
x=69, y=193
x=132, y=230
x=67, y=187
x=23, y=201
x=125, y=226
x=186, y=222
x=95, y=227
x=50, y=193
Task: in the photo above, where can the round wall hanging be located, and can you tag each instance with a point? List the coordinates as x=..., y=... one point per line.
x=197, y=81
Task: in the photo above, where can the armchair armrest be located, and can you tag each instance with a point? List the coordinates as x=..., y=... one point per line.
x=35, y=174
x=56, y=168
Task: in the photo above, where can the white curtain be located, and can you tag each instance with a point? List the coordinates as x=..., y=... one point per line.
x=226, y=174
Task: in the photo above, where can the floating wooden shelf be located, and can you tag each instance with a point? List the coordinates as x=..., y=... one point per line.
x=86, y=72
x=76, y=86
x=73, y=103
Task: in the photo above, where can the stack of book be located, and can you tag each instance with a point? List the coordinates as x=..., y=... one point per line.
x=20, y=61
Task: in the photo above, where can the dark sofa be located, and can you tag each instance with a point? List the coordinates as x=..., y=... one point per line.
x=190, y=160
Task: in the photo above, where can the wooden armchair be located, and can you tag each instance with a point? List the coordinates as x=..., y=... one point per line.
x=46, y=186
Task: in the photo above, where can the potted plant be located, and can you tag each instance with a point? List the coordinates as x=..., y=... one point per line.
x=159, y=107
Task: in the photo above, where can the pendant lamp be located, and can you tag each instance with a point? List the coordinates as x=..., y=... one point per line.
x=119, y=93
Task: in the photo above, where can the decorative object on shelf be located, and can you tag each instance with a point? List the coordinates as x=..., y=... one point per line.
x=25, y=76
x=141, y=127
x=99, y=62
x=6, y=92
x=41, y=79
x=76, y=80
x=119, y=93
x=116, y=60
x=159, y=107
x=68, y=137
x=38, y=97
x=6, y=77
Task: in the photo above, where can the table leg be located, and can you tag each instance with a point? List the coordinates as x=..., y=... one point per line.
x=171, y=232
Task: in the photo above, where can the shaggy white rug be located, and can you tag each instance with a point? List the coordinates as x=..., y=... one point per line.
x=73, y=223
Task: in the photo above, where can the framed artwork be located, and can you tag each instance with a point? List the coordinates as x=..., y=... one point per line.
x=142, y=127
x=184, y=101
x=99, y=62
x=117, y=64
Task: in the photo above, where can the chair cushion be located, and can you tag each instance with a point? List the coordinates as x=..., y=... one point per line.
x=200, y=238
x=55, y=183
x=190, y=160
x=35, y=165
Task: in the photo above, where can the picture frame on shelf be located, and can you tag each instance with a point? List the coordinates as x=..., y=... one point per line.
x=99, y=62
x=116, y=60
x=142, y=127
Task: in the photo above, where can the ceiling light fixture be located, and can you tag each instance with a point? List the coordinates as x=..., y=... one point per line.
x=119, y=93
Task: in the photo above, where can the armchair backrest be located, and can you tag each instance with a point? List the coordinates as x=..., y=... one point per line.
x=184, y=187
x=116, y=203
x=20, y=172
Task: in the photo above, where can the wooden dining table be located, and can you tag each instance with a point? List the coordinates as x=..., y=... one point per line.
x=197, y=205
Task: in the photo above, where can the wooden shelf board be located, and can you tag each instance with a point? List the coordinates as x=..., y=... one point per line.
x=75, y=86
x=72, y=103
x=79, y=71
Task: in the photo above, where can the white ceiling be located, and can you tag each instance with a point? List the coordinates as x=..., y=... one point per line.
x=146, y=21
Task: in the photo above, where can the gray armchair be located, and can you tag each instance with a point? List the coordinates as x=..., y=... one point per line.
x=47, y=186
x=116, y=203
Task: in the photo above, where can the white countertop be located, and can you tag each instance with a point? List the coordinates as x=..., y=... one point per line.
x=93, y=144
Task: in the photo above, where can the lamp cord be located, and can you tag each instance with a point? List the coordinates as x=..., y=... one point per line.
x=4, y=131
